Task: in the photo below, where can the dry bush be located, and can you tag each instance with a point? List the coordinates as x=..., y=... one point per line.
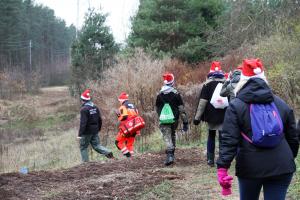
x=15, y=84
x=11, y=84
x=186, y=74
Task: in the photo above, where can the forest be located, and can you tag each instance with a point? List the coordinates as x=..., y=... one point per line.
x=34, y=46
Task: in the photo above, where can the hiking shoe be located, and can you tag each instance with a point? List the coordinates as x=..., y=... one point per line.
x=128, y=155
x=110, y=156
x=211, y=163
x=170, y=158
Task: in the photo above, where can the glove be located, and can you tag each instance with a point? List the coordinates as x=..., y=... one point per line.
x=225, y=181
x=185, y=127
x=196, y=122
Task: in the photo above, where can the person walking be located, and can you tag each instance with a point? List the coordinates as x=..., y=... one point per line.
x=90, y=125
x=259, y=130
x=127, y=111
x=169, y=103
x=206, y=110
x=230, y=84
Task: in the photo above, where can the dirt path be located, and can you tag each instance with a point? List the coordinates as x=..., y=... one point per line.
x=142, y=177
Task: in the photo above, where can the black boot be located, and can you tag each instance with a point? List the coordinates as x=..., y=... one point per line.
x=170, y=157
x=110, y=155
x=211, y=159
x=128, y=155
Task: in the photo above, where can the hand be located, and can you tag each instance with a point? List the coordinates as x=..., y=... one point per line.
x=118, y=113
x=225, y=181
x=196, y=122
x=185, y=127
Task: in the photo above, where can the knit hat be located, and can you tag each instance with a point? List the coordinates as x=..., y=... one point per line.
x=86, y=95
x=215, y=66
x=123, y=97
x=252, y=68
x=168, y=79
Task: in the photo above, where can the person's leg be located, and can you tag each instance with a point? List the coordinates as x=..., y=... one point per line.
x=275, y=188
x=121, y=144
x=83, y=145
x=130, y=144
x=173, y=136
x=249, y=188
x=211, y=147
x=95, y=142
x=166, y=131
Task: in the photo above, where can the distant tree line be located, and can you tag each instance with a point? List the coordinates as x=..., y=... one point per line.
x=32, y=39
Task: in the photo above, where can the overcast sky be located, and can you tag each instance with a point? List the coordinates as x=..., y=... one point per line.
x=119, y=12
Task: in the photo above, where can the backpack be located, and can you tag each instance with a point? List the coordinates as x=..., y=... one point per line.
x=266, y=124
x=166, y=115
x=217, y=101
x=133, y=124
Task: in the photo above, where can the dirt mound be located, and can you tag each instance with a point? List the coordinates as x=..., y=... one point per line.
x=112, y=179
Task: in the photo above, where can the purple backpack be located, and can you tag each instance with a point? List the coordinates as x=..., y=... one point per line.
x=266, y=124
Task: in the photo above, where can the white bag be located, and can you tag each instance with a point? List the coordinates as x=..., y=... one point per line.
x=216, y=100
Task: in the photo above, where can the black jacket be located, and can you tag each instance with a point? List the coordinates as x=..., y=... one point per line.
x=251, y=161
x=90, y=119
x=173, y=98
x=211, y=114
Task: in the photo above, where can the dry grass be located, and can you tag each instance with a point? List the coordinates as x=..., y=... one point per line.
x=51, y=152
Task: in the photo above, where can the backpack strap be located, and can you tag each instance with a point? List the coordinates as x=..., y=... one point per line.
x=246, y=137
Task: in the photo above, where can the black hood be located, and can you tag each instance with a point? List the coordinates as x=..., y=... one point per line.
x=255, y=90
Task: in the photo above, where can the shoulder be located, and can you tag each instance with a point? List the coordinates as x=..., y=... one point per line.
x=237, y=104
x=281, y=104
x=175, y=91
x=84, y=109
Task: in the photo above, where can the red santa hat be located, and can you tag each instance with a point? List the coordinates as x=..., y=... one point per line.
x=168, y=79
x=86, y=95
x=215, y=66
x=226, y=75
x=252, y=68
x=123, y=97
x=240, y=67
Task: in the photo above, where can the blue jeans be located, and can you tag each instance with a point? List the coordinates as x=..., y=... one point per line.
x=211, y=141
x=275, y=188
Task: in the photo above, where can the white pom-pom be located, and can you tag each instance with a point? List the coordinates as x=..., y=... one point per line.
x=216, y=68
x=257, y=70
x=165, y=82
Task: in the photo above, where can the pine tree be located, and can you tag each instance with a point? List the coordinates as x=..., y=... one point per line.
x=175, y=27
x=94, y=50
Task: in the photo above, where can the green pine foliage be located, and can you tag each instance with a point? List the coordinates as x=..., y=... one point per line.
x=179, y=28
x=93, y=51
